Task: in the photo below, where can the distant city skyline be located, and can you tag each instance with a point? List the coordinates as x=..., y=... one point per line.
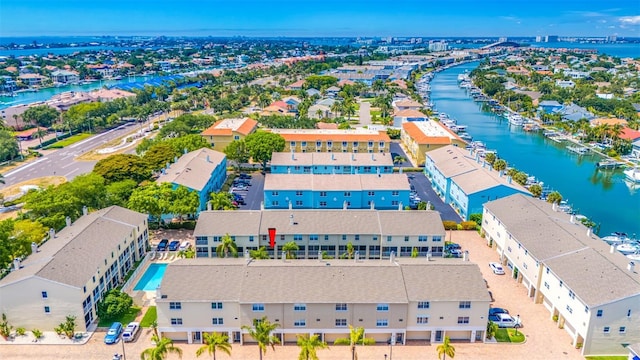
x=352, y=18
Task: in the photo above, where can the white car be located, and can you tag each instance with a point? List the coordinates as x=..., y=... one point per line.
x=131, y=331
x=185, y=245
x=496, y=268
x=506, y=321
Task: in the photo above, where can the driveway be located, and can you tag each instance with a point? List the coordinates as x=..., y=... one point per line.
x=365, y=113
x=396, y=150
x=423, y=187
x=255, y=195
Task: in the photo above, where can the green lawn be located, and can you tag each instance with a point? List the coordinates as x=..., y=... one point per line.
x=128, y=317
x=150, y=316
x=509, y=335
x=622, y=357
x=71, y=140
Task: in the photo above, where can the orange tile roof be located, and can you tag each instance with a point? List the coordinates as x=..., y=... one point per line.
x=279, y=103
x=611, y=121
x=630, y=134
x=410, y=113
x=324, y=125
x=421, y=138
x=214, y=131
x=247, y=126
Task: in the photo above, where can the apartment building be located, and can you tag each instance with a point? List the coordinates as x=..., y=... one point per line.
x=309, y=191
x=465, y=181
x=329, y=140
x=392, y=300
x=225, y=131
x=203, y=171
x=331, y=163
x=419, y=137
x=590, y=290
x=69, y=273
x=373, y=234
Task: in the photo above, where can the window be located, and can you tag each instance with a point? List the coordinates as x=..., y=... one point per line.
x=326, y=238
x=236, y=137
x=606, y=330
x=298, y=203
x=341, y=322
x=622, y=330
x=175, y=305
x=323, y=204
x=381, y=144
x=356, y=237
x=394, y=202
x=437, y=238
x=274, y=193
x=44, y=295
x=382, y=323
x=422, y=238
x=217, y=321
x=47, y=309
x=629, y=313
x=389, y=238
x=422, y=320
x=561, y=283
x=300, y=323
x=382, y=307
x=257, y=307
x=250, y=238
x=347, y=194
x=344, y=143
x=323, y=193
x=299, y=307
x=370, y=143
x=355, y=144
x=201, y=240
x=275, y=203
x=423, y=304
x=341, y=307
x=371, y=193
x=572, y=295
x=546, y=284
x=395, y=193
x=599, y=313
x=216, y=305
x=313, y=237
x=329, y=143
x=176, y=321
x=569, y=309
x=465, y=305
x=406, y=238
x=303, y=143
x=292, y=144
x=463, y=319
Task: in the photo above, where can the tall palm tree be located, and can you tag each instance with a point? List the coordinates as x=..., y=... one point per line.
x=261, y=331
x=309, y=345
x=163, y=347
x=214, y=341
x=290, y=249
x=227, y=246
x=356, y=336
x=446, y=349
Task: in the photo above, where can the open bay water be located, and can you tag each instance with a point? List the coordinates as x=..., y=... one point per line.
x=601, y=195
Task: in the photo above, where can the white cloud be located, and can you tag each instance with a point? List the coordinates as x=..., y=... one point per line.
x=630, y=20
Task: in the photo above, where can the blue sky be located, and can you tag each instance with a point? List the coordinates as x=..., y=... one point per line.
x=321, y=18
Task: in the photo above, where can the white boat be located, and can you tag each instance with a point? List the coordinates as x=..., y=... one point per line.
x=578, y=150
x=516, y=120
x=635, y=256
x=628, y=248
x=632, y=174
x=616, y=238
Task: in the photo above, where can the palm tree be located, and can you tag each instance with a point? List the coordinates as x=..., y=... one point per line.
x=536, y=190
x=356, y=336
x=399, y=159
x=154, y=327
x=500, y=164
x=214, y=341
x=221, y=201
x=261, y=253
x=445, y=349
x=227, y=245
x=554, y=197
x=163, y=347
x=290, y=249
x=308, y=346
x=261, y=332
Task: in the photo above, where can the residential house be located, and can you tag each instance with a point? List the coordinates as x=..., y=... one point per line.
x=203, y=171
x=69, y=273
x=374, y=234
x=608, y=121
x=589, y=289
x=322, y=109
x=564, y=84
x=331, y=163
x=549, y=106
x=8, y=84
x=635, y=149
x=322, y=140
x=408, y=115
x=465, y=181
x=296, y=85
x=32, y=79
x=64, y=77
x=406, y=104
x=421, y=137
x=573, y=112
x=332, y=91
x=225, y=131
x=313, y=92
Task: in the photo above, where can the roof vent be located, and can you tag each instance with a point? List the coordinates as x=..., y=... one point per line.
x=631, y=266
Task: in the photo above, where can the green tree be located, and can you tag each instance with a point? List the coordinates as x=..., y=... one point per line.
x=41, y=115
x=184, y=202
x=349, y=252
x=290, y=249
x=158, y=156
x=399, y=159
x=492, y=329
x=262, y=333
x=68, y=327
x=261, y=145
x=490, y=158
x=554, y=197
x=163, y=346
x=446, y=349
x=261, y=253
x=499, y=164
x=536, y=190
x=5, y=327
x=221, y=201
x=115, y=304
x=152, y=199
x=309, y=346
x=122, y=167
x=9, y=147
x=237, y=152
x=356, y=336
x=214, y=342
x=118, y=192
x=228, y=245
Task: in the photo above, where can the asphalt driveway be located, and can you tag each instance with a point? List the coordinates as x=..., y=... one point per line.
x=423, y=187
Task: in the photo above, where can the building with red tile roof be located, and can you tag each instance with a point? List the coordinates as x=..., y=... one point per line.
x=223, y=132
x=420, y=137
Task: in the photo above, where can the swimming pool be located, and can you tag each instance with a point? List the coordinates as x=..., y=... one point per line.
x=151, y=278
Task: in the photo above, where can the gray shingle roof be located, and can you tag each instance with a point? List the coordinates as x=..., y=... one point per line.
x=341, y=182
x=193, y=169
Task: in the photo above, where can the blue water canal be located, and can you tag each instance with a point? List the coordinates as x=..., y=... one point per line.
x=602, y=196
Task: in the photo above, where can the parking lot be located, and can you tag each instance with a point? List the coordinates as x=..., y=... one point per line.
x=423, y=187
x=254, y=194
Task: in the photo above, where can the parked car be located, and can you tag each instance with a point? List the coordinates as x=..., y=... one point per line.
x=506, y=320
x=162, y=246
x=240, y=201
x=173, y=245
x=113, y=334
x=245, y=176
x=452, y=246
x=496, y=268
x=131, y=331
x=497, y=310
x=239, y=188
x=456, y=253
x=185, y=245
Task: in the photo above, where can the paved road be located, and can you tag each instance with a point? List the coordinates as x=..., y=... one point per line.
x=423, y=187
x=61, y=162
x=396, y=150
x=365, y=113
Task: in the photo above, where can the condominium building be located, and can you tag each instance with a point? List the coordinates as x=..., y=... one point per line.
x=373, y=234
x=308, y=191
x=590, y=290
x=420, y=137
x=331, y=163
x=203, y=171
x=392, y=300
x=465, y=181
x=225, y=131
x=69, y=273
x=325, y=140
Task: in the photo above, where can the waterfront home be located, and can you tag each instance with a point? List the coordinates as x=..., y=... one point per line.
x=8, y=84
x=223, y=132
x=104, y=95
x=608, y=121
x=635, y=149
x=422, y=137
x=65, y=77
x=32, y=79
x=331, y=163
x=348, y=191
x=374, y=234
x=573, y=112
x=630, y=134
x=406, y=104
x=203, y=171
x=332, y=91
x=549, y=106
x=329, y=140
x=392, y=300
x=466, y=181
x=408, y=115
x=589, y=289
x=70, y=273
